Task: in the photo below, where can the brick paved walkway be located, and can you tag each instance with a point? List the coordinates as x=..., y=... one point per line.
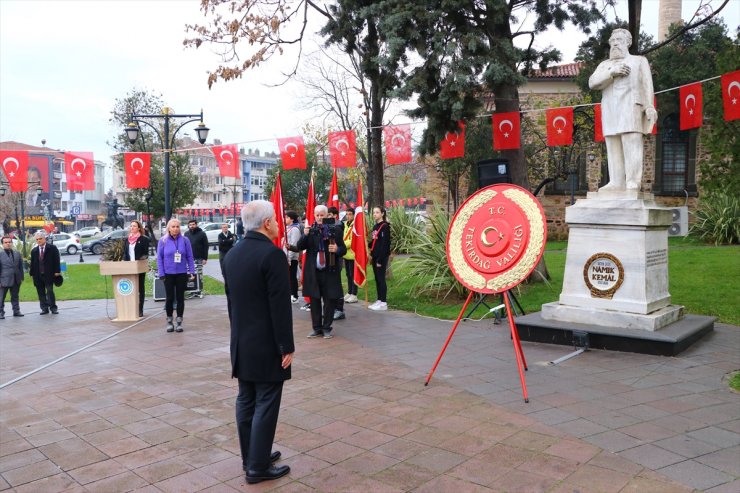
x=150, y=411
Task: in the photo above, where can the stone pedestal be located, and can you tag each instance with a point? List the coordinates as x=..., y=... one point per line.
x=616, y=274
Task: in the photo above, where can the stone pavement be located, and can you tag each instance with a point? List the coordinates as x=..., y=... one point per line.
x=149, y=411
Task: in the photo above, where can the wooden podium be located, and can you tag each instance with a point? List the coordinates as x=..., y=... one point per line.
x=125, y=287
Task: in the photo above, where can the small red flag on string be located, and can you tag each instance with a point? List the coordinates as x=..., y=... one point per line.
x=731, y=95
x=690, y=97
x=292, y=152
x=506, y=131
x=343, y=149
x=137, y=166
x=453, y=145
x=560, y=126
x=15, y=167
x=397, y=144
x=80, y=170
x=227, y=157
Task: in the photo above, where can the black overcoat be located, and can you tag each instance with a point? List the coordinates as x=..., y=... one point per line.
x=141, y=248
x=258, y=287
x=52, y=263
x=310, y=243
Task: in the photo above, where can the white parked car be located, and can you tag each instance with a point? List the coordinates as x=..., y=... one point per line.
x=87, y=232
x=66, y=243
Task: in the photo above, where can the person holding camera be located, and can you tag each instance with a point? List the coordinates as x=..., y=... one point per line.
x=322, y=281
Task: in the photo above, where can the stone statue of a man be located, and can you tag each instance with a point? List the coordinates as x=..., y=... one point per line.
x=627, y=110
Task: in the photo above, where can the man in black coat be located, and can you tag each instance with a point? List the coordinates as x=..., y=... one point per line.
x=45, y=266
x=322, y=281
x=258, y=291
x=198, y=242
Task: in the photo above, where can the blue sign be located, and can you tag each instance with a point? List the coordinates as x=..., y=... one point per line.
x=125, y=286
x=76, y=210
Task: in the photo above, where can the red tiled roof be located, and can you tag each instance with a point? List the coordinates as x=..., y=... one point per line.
x=10, y=145
x=566, y=71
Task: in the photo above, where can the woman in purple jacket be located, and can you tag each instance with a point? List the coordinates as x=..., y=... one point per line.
x=175, y=264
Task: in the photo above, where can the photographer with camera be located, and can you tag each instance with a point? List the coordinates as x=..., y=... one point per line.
x=322, y=281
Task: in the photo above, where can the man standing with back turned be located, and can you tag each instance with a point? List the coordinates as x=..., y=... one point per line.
x=258, y=291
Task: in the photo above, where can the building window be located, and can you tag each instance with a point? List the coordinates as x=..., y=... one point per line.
x=216, y=197
x=675, y=159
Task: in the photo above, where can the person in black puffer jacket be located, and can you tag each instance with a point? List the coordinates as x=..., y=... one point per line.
x=198, y=242
x=380, y=253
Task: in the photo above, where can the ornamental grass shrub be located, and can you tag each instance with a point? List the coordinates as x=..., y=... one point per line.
x=718, y=220
x=406, y=228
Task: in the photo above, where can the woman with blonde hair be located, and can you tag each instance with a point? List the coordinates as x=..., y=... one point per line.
x=175, y=264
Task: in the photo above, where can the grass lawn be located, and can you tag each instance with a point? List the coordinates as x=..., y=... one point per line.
x=703, y=278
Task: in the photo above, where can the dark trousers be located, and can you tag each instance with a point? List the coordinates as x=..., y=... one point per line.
x=174, y=289
x=349, y=270
x=257, y=409
x=142, y=290
x=327, y=310
x=46, y=293
x=380, y=283
x=294, y=278
x=14, y=290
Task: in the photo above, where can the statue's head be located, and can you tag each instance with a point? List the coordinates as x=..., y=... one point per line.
x=619, y=43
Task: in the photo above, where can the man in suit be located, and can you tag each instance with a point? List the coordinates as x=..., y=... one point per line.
x=45, y=266
x=258, y=290
x=322, y=275
x=11, y=276
x=627, y=110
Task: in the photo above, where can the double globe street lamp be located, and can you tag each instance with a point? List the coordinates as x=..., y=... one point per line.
x=167, y=141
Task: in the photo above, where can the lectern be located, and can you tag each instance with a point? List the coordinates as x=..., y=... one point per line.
x=125, y=287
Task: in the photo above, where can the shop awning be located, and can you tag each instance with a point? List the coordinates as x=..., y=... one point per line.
x=32, y=223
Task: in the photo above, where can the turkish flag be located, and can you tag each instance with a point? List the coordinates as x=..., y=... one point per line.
x=598, y=130
x=506, y=131
x=731, y=95
x=690, y=98
x=397, y=144
x=137, y=166
x=277, y=204
x=15, y=167
x=560, y=126
x=80, y=170
x=333, y=200
x=342, y=149
x=453, y=145
x=227, y=158
x=359, y=241
x=292, y=152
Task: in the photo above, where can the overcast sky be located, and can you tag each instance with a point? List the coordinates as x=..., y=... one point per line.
x=63, y=63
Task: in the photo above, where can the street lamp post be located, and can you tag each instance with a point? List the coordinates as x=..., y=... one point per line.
x=233, y=188
x=167, y=142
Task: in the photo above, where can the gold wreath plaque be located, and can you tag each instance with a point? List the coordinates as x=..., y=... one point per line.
x=496, y=238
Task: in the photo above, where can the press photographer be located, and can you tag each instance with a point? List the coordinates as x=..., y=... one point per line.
x=322, y=275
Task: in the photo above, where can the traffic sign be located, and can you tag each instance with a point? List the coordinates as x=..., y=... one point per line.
x=76, y=210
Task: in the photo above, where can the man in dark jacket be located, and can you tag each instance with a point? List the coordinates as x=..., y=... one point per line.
x=258, y=290
x=45, y=266
x=322, y=281
x=11, y=276
x=225, y=242
x=198, y=242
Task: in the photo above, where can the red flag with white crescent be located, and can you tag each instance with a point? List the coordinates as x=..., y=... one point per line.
x=80, y=170
x=137, y=166
x=15, y=167
x=506, y=131
x=277, y=204
x=227, y=157
x=333, y=199
x=359, y=241
x=598, y=129
x=731, y=95
x=453, y=145
x=292, y=152
x=343, y=149
x=560, y=126
x=397, y=144
x=690, y=98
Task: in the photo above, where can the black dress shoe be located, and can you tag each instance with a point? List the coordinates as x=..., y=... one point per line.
x=273, y=472
x=2, y=317
x=274, y=457
x=54, y=311
x=44, y=312
x=19, y=314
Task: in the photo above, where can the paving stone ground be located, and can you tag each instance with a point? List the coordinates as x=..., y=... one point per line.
x=154, y=412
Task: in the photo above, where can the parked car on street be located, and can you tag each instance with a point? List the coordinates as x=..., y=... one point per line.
x=66, y=243
x=96, y=246
x=87, y=232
